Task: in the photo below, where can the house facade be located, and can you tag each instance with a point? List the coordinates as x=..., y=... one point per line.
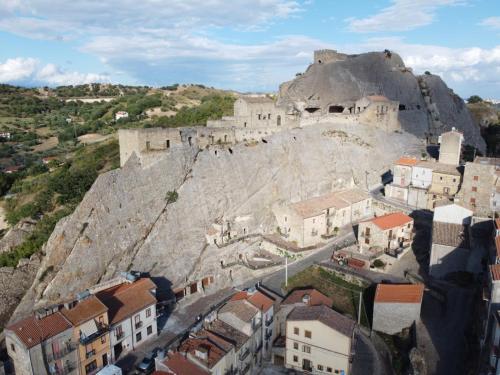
x=42, y=344
x=319, y=340
x=389, y=233
x=396, y=307
x=402, y=178
x=132, y=314
x=479, y=187
x=89, y=318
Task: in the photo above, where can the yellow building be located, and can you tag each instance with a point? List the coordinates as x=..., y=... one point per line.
x=319, y=340
x=89, y=318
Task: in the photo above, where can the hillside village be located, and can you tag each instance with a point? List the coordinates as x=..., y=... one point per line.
x=324, y=233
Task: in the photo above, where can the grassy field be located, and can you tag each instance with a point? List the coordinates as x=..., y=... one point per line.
x=345, y=295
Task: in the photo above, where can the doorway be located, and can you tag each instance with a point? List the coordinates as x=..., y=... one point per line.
x=118, y=349
x=306, y=365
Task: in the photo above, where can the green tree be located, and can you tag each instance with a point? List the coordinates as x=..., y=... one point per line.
x=474, y=99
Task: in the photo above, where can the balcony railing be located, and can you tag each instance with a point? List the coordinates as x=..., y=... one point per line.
x=90, y=354
x=244, y=355
x=102, y=330
x=246, y=369
x=258, y=348
x=68, y=348
x=269, y=321
x=138, y=325
x=268, y=335
x=120, y=335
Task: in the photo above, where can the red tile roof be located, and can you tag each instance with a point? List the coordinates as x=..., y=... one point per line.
x=126, y=299
x=261, y=301
x=408, y=161
x=32, y=331
x=214, y=352
x=180, y=365
x=84, y=311
x=378, y=98
x=315, y=298
x=495, y=272
x=399, y=293
x=392, y=220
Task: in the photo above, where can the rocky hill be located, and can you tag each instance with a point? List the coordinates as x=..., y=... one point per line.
x=427, y=105
x=126, y=222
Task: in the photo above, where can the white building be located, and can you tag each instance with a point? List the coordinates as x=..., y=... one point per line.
x=319, y=340
x=131, y=313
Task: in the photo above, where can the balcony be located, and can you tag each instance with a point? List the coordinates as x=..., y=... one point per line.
x=258, y=348
x=244, y=355
x=246, y=369
x=120, y=335
x=138, y=325
x=269, y=321
x=102, y=330
x=268, y=335
x=64, y=351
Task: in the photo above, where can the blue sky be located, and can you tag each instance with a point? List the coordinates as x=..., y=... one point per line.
x=246, y=45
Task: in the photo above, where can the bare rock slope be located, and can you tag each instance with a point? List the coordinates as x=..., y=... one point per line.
x=125, y=221
x=426, y=100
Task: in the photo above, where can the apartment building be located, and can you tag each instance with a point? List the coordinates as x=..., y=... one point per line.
x=319, y=340
x=42, y=344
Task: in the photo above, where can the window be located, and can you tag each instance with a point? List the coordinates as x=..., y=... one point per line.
x=149, y=330
x=138, y=336
x=137, y=319
x=91, y=367
x=306, y=349
x=296, y=330
x=367, y=240
x=454, y=180
x=337, y=371
x=440, y=178
x=295, y=358
x=328, y=369
x=168, y=143
x=258, y=116
x=307, y=334
x=119, y=331
x=476, y=178
x=474, y=188
x=90, y=353
x=296, y=345
x=473, y=200
x=101, y=319
x=285, y=219
x=148, y=312
x=320, y=367
x=13, y=347
x=103, y=339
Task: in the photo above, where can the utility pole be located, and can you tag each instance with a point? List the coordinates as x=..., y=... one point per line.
x=286, y=271
x=359, y=307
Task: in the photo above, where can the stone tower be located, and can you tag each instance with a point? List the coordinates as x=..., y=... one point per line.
x=324, y=56
x=450, y=147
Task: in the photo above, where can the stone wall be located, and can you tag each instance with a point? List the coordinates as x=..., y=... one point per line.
x=392, y=318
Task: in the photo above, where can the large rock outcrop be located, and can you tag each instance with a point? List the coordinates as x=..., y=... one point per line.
x=125, y=221
x=427, y=104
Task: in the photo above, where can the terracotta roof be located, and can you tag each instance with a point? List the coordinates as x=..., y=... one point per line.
x=32, y=331
x=257, y=99
x=325, y=315
x=229, y=333
x=497, y=244
x=495, y=272
x=408, y=161
x=399, y=293
x=84, y=310
x=449, y=234
x=338, y=199
x=258, y=299
x=392, y=220
x=180, y=365
x=214, y=352
x=242, y=309
x=497, y=223
x=239, y=296
x=315, y=298
x=377, y=98
x=439, y=167
x=221, y=342
x=126, y=299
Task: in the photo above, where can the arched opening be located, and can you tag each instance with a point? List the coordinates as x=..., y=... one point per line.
x=225, y=138
x=278, y=120
x=336, y=109
x=190, y=141
x=319, y=61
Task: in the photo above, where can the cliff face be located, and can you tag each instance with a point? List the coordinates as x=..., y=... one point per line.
x=375, y=73
x=125, y=221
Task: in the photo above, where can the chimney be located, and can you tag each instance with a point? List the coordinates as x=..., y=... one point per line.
x=306, y=299
x=201, y=352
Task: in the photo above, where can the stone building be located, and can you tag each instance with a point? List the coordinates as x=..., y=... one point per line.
x=319, y=340
x=396, y=307
x=450, y=148
x=378, y=111
x=178, y=364
x=402, y=178
x=89, y=318
x=390, y=233
x=324, y=56
x=310, y=221
x=445, y=184
x=42, y=344
x=481, y=186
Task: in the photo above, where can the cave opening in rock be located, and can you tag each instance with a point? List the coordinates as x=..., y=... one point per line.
x=336, y=109
x=402, y=107
x=312, y=109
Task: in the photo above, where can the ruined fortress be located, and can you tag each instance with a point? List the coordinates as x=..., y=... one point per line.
x=257, y=116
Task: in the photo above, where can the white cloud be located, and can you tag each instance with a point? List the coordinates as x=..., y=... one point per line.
x=491, y=22
x=402, y=15
x=31, y=71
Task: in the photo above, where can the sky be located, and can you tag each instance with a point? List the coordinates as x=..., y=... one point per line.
x=245, y=45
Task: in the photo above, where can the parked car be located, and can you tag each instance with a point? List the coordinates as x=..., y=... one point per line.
x=147, y=365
